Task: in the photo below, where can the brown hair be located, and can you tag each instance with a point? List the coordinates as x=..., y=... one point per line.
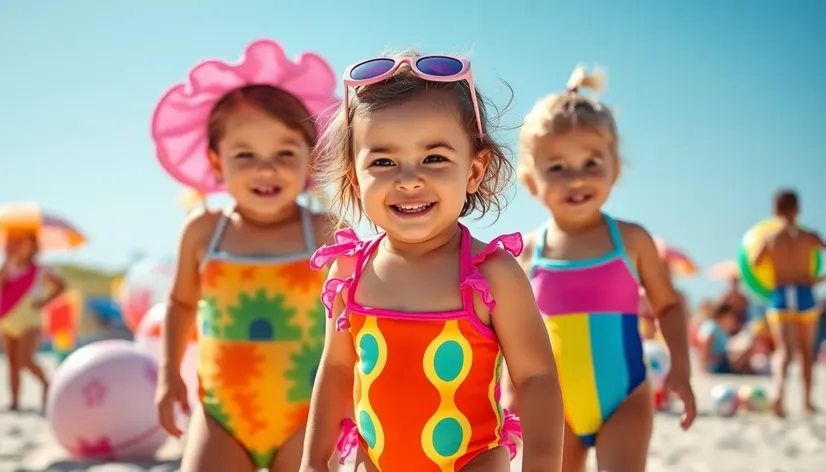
x=785, y=202
x=272, y=101
x=558, y=114
x=336, y=163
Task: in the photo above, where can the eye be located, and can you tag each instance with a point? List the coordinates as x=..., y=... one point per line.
x=244, y=155
x=434, y=158
x=382, y=162
x=592, y=163
x=556, y=168
x=286, y=154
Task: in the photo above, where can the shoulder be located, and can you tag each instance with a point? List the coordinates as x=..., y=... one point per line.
x=199, y=228
x=637, y=240
x=497, y=260
x=632, y=232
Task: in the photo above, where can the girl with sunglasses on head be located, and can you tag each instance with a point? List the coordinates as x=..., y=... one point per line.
x=587, y=269
x=422, y=314
x=248, y=129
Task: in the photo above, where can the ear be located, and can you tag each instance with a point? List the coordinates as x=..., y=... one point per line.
x=354, y=182
x=617, y=169
x=528, y=181
x=215, y=164
x=478, y=167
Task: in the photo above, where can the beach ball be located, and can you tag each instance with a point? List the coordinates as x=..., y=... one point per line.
x=658, y=360
x=148, y=340
x=101, y=403
x=752, y=398
x=724, y=400
x=759, y=278
x=146, y=283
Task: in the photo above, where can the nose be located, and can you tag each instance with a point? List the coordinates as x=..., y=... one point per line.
x=575, y=178
x=409, y=178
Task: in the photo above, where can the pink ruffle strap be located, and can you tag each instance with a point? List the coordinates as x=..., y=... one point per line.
x=475, y=280
x=348, y=440
x=510, y=430
x=348, y=244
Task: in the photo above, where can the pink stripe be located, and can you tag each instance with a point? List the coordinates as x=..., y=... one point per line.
x=481, y=328
x=14, y=290
x=606, y=288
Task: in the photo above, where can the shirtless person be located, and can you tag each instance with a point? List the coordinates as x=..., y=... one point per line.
x=792, y=312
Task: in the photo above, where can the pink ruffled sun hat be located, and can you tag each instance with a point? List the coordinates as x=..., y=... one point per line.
x=179, y=124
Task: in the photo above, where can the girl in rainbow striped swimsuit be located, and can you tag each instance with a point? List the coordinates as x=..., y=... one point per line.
x=586, y=269
x=423, y=314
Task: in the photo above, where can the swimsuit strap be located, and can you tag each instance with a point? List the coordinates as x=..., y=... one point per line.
x=347, y=244
x=539, y=246
x=213, y=250
x=475, y=281
x=616, y=236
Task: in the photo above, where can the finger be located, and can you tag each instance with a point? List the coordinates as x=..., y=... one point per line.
x=183, y=400
x=690, y=411
x=167, y=419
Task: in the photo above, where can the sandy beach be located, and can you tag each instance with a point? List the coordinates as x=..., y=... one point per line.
x=747, y=442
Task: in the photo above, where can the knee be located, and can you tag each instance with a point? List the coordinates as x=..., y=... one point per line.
x=783, y=355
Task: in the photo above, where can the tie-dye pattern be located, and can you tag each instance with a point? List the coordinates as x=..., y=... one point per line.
x=261, y=333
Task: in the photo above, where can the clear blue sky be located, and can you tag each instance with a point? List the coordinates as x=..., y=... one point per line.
x=721, y=102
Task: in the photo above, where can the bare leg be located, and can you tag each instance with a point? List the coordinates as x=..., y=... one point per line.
x=622, y=443
x=806, y=339
x=574, y=452
x=210, y=448
x=494, y=460
x=784, y=335
x=26, y=349
x=10, y=347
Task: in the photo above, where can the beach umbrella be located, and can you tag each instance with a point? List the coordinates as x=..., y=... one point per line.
x=725, y=270
x=675, y=259
x=54, y=233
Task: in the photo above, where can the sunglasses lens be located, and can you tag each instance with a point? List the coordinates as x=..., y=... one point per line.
x=371, y=69
x=440, y=66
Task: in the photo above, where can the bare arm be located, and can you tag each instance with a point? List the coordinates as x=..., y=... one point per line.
x=333, y=389
x=186, y=291
x=530, y=361
x=665, y=302
x=58, y=285
x=670, y=311
x=509, y=398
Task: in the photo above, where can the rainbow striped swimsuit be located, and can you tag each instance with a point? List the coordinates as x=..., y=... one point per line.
x=590, y=309
x=260, y=337
x=426, y=390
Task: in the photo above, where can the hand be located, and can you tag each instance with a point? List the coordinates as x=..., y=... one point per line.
x=171, y=390
x=677, y=383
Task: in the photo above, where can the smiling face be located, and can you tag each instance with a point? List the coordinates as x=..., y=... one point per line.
x=414, y=165
x=263, y=162
x=572, y=173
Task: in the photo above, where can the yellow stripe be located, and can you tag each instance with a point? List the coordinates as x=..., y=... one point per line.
x=571, y=342
x=371, y=327
x=776, y=316
x=447, y=392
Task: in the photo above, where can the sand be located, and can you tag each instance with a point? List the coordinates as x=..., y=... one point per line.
x=746, y=442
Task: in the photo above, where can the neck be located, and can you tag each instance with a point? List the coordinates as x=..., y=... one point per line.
x=287, y=213
x=448, y=237
x=574, y=226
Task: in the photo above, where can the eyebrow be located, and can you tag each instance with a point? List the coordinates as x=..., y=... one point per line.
x=427, y=147
x=244, y=144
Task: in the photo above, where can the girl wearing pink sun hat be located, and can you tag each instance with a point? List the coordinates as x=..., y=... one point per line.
x=248, y=129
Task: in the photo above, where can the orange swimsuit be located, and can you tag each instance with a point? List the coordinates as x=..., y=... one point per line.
x=426, y=384
x=260, y=337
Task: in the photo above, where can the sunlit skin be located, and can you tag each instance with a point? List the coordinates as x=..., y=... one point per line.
x=21, y=251
x=572, y=174
x=412, y=155
x=264, y=165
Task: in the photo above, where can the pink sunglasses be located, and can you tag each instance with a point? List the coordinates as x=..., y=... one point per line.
x=432, y=68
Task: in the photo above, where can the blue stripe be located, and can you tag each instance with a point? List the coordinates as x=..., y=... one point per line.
x=590, y=440
x=607, y=351
x=634, y=360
